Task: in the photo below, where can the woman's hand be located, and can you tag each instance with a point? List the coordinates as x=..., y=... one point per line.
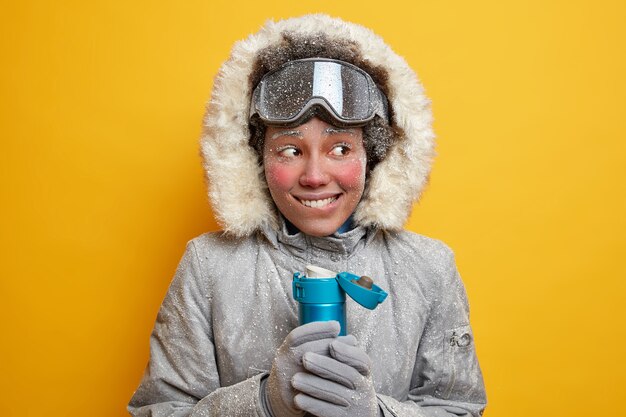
x=337, y=386
x=314, y=338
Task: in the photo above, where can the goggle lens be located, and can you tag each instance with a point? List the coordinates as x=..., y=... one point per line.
x=287, y=93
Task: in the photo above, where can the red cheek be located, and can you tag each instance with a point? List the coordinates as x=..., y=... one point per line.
x=280, y=176
x=351, y=175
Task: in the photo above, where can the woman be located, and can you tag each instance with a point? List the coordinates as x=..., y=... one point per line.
x=317, y=142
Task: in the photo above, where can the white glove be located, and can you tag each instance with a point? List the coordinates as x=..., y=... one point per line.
x=337, y=386
x=313, y=338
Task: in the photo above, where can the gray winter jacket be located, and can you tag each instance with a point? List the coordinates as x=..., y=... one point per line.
x=230, y=306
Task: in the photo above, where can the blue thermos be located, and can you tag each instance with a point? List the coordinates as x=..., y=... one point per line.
x=321, y=294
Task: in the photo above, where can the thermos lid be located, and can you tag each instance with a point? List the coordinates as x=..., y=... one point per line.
x=356, y=287
x=323, y=286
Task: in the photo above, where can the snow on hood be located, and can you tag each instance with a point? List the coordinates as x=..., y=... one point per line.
x=237, y=188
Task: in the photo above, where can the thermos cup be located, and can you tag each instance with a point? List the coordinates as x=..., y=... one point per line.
x=321, y=294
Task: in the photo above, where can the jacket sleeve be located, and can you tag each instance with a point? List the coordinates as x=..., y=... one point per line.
x=446, y=380
x=182, y=378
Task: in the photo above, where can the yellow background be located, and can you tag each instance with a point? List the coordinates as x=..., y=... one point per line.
x=101, y=185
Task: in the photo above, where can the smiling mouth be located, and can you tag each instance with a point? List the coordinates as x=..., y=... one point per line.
x=318, y=203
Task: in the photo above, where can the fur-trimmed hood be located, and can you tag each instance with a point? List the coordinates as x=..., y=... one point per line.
x=237, y=187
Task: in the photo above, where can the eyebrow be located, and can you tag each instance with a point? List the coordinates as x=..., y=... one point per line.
x=298, y=134
x=334, y=129
x=292, y=133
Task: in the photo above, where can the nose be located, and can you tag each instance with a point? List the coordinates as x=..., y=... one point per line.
x=314, y=174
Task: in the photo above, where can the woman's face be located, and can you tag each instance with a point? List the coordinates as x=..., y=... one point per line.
x=315, y=173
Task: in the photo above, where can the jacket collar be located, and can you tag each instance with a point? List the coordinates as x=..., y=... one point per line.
x=340, y=243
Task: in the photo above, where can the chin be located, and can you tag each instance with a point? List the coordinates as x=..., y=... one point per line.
x=317, y=230
x=319, y=234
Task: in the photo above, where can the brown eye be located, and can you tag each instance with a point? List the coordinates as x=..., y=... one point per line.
x=289, y=152
x=340, y=150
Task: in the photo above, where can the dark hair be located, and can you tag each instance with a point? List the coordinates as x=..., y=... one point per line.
x=378, y=135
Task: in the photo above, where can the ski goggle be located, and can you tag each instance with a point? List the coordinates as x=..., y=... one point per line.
x=346, y=92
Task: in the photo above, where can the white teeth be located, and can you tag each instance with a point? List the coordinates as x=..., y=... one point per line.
x=318, y=203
